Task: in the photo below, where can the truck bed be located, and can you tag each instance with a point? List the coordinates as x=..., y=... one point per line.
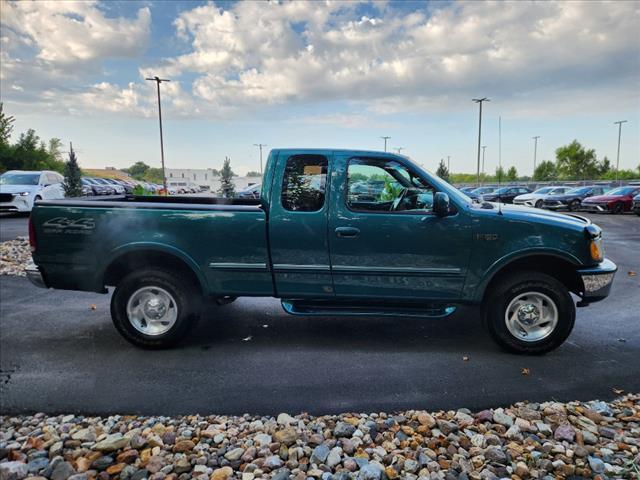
x=79, y=240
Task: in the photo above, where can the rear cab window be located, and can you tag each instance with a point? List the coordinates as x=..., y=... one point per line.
x=304, y=183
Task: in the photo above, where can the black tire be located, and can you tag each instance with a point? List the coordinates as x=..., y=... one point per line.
x=539, y=204
x=617, y=208
x=506, y=289
x=186, y=295
x=574, y=205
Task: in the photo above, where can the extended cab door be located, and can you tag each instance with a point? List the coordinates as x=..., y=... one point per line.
x=385, y=241
x=298, y=225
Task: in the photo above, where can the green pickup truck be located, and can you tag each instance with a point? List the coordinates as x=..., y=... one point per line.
x=335, y=232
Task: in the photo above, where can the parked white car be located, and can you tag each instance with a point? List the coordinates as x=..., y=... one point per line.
x=536, y=198
x=19, y=189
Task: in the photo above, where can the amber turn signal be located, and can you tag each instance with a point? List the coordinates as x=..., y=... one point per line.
x=596, y=251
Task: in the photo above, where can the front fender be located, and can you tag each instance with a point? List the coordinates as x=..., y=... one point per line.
x=478, y=290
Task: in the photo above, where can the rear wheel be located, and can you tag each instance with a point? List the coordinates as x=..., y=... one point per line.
x=574, y=205
x=529, y=312
x=155, y=308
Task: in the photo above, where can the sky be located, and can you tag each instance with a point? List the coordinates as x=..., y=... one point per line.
x=323, y=74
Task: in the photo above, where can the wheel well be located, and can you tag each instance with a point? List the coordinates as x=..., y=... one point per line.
x=558, y=268
x=131, y=261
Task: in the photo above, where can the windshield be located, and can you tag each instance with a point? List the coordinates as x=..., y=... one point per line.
x=579, y=191
x=19, y=179
x=544, y=190
x=622, y=191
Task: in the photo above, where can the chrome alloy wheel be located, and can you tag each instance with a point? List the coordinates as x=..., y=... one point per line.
x=152, y=310
x=531, y=316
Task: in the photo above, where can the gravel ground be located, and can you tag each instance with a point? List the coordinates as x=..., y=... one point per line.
x=527, y=440
x=15, y=255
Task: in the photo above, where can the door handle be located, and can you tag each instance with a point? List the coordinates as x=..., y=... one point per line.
x=347, y=232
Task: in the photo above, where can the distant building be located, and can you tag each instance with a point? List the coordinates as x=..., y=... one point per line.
x=205, y=179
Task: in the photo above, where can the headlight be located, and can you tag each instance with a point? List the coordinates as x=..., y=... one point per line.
x=24, y=194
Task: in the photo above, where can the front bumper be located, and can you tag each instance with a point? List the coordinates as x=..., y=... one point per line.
x=35, y=276
x=555, y=206
x=594, y=207
x=597, y=280
x=17, y=204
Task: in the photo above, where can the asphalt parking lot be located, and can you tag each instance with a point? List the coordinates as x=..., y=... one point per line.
x=58, y=354
x=13, y=225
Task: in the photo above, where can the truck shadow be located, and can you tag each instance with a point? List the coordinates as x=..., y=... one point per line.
x=264, y=324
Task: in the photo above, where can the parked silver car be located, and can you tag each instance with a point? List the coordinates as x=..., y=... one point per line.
x=19, y=189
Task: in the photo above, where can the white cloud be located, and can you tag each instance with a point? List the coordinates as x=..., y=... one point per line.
x=66, y=32
x=263, y=54
x=386, y=61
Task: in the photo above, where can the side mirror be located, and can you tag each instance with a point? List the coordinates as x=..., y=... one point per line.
x=441, y=204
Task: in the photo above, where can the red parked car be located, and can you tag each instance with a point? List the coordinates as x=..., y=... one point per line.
x=617, y=200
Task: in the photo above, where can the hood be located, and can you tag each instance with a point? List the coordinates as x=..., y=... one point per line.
x=18, y=188
x=604, y=198
x=561, y=197
x=530, y=214
x=529, y=196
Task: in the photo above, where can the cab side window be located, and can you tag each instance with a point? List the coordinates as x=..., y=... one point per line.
x=382, y=185
x=304, y=183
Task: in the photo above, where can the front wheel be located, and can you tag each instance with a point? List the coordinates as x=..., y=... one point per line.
x=154, y=308
x=539, y=204
x=529, y=312
x=617, y=208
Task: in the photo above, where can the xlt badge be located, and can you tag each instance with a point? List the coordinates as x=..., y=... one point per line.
x=487, y=236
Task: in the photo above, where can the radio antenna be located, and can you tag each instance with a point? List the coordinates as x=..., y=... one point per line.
x=499, y=163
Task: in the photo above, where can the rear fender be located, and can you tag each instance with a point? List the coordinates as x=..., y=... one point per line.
x=133, y=247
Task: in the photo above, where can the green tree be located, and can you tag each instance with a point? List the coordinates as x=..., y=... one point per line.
x=72, y=184
x=604, y=167
x=576, y=162
x=443, y=171
x=137, y=170
x=546, y=171
x=54, y=148
x=512, y=174
x=227, y=187
x=152, y=175
x=6, y=126
x=500, y=175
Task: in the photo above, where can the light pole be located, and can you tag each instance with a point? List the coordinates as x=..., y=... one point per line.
x=619, y=123
x=484, y=147
x=260, y=145
x=158, y=81
x=385, y=142
x=449, y=163
x=535, y=154
x=479, y=101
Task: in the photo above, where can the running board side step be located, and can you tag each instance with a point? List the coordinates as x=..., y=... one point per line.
x=346, y=308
